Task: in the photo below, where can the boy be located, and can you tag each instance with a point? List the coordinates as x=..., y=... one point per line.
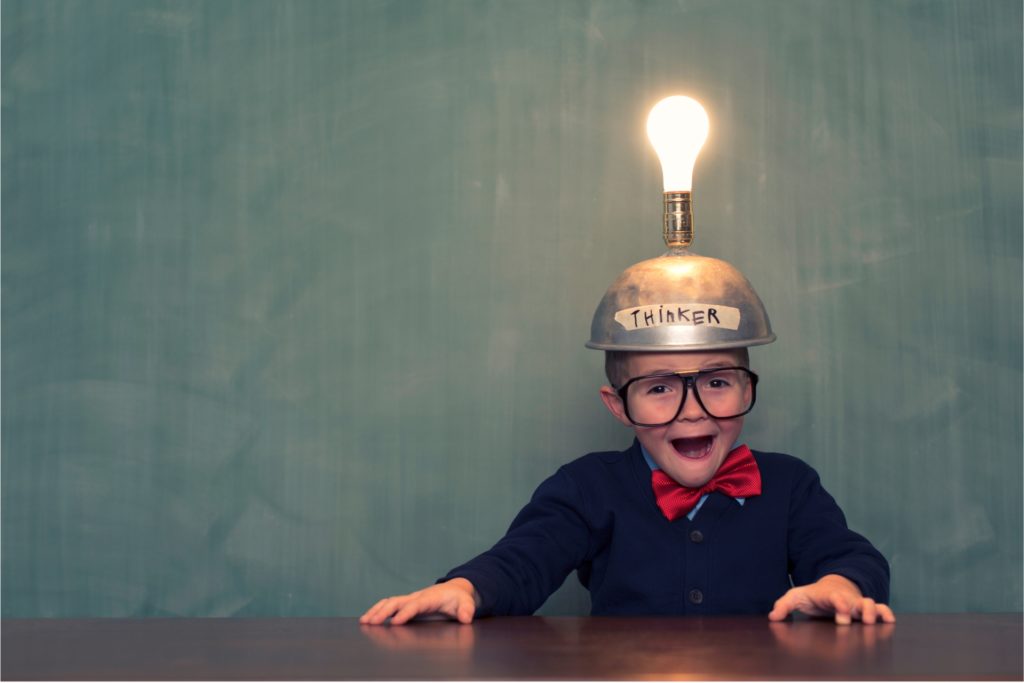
x=687, y=520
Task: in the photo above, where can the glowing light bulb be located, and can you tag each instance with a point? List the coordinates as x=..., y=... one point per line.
x=677, y=128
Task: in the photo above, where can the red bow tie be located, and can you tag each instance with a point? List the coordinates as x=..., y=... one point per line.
x=737, y=477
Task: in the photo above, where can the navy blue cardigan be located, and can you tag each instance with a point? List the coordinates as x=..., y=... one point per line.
x=597, y=515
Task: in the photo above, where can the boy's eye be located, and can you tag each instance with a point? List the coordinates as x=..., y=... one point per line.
x=655, y=387
x=726, y=379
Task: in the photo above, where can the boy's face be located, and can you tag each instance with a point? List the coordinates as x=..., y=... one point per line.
x=690, y=449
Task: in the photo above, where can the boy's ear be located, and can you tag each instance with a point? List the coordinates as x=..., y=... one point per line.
x=614, y=405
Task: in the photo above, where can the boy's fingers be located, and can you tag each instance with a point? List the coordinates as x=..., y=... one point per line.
x=465, y=612
x=368, y=614
x=783, y=606
x=868, y=611
x=842, y=608
x=886, y=613
x=779, y=611
x=407, y=612
x=401, y=616
x=425, y=603
x=377, y=614
x=385, y=608
x=400, y=609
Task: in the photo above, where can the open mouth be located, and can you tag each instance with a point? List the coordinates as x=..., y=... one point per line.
x=693, y=448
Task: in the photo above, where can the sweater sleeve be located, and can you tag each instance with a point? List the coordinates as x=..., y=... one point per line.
x=820, y=543
x=546, y=541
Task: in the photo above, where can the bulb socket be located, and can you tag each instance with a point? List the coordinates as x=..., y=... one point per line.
x=678, y=224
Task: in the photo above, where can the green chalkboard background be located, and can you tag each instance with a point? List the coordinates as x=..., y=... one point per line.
x=295, y=293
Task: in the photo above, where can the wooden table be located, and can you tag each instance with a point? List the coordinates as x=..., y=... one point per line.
x=919, y=646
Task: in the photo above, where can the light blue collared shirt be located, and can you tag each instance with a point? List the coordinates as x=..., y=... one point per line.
x=696, y=508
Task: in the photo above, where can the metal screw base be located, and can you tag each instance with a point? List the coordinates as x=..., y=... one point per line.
x=678, y=228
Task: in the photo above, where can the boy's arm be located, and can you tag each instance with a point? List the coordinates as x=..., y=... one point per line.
x=834, y=570
x=547, y=540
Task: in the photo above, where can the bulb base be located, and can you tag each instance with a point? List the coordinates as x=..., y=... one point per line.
x=678, y=224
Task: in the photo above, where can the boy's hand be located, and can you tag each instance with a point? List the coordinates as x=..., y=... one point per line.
x=456, y=598
x=831, y=594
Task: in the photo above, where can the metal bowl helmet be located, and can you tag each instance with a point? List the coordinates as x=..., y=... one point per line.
x=680, y=302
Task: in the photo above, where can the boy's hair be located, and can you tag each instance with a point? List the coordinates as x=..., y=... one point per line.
x=615, y=364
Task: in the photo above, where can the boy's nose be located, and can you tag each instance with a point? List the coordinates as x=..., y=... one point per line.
x=691, y=408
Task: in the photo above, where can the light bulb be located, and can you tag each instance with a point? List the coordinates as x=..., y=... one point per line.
x=677, y=128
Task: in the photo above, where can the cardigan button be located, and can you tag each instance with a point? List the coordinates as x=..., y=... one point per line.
x=696, y=536
x=696, y=597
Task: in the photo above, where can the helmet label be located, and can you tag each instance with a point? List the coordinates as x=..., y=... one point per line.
x=695, y=315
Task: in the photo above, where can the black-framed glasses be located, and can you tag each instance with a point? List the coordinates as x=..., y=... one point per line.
x=657, y=400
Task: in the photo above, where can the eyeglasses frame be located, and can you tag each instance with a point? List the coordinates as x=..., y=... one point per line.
x=689, y=381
